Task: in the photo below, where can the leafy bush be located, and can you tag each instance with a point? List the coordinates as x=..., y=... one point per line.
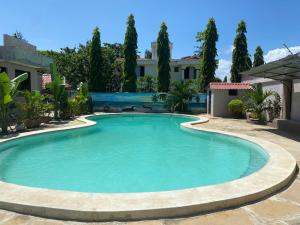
x=274, y=107
x=34, y=108
x=147, y=84
x=235, y=107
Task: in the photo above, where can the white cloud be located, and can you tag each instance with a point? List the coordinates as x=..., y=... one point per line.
x=229, y=49
x=274, y=54
x=279, y=53
x=223, y=69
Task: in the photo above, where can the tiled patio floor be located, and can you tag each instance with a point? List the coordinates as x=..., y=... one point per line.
x=282, y=208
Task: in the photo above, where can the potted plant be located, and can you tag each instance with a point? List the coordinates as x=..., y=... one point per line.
x=256, y=103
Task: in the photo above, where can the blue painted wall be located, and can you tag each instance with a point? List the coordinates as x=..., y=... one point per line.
x=121, y=100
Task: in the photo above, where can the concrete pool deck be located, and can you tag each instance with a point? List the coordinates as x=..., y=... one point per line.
x=281, y=207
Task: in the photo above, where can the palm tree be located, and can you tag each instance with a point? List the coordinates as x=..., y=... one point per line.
x=180, y=95
x=255, y=101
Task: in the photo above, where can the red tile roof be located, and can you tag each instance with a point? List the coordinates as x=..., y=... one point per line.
x=229, y=86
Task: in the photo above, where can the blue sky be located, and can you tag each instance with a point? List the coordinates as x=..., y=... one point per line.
x=52, y=24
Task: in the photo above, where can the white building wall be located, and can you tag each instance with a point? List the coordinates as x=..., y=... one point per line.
x=220, y=100
x=295, y=114
x=35, y=78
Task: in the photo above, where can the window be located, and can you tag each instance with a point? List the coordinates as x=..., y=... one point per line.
x=142, y=71
x=195, y=73
x=3, y=69
x=176, y=69
x=232, y=92
x=187, y=73
x=26, y=84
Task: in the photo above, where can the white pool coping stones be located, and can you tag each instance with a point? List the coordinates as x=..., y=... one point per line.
x=69, y=205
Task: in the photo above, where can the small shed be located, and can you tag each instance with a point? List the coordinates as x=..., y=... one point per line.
x=220, y=94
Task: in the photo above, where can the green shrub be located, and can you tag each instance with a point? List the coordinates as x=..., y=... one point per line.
x=236, y=106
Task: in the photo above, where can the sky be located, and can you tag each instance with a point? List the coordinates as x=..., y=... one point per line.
x=54, y=24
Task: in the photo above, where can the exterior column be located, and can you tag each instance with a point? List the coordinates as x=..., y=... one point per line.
x=287, y=99
x=182, y=73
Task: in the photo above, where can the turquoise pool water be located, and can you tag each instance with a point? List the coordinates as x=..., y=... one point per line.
x=128, y=153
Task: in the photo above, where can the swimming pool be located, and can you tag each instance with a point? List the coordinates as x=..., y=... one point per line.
x=128, y=153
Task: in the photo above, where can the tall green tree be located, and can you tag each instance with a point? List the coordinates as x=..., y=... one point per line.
x=208, y=63
x=225, y=79
x=258, y=57
x=163, y=64
x=240, y=57
x=96, y=81
x=130, y=54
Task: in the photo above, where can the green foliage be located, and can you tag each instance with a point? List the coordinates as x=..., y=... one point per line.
x=8, y=90
x=96, y=80
x=225, y=79
x=57, y=88
x=163, y=65
x=258, y=57
x=256, y=101
x=34, y=109
x=130, y=54
x=34, y=105
x=72, y=63
x=208, y=63
x=113, y=70
x=240, y=57
x=217, y=79
x=81, y=99
x=148, y=54
x=147, y=84
x=236, y=107
x=77, y=105
x=179, y=96
x=274, y=107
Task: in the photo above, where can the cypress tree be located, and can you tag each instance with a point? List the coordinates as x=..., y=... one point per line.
x=130, y=49
x=225, y=79
x=96, y=81
x=208, y=63
x=163, y=54
x=240, y=58
x=258, y=57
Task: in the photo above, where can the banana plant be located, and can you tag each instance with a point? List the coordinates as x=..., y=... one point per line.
x=8, y=90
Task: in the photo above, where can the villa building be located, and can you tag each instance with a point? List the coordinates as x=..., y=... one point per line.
x=185, y=68
x=18, y=57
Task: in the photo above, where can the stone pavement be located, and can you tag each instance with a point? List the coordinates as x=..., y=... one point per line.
x=279, y=209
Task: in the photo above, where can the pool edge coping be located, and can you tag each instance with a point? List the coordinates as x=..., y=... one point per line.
x=69, y=205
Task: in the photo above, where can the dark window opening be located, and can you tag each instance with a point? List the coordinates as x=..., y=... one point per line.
x=187, y=73
x=3, y=69
x=195, y=73
x=142, y=71
x=26, y=84
x=176, y=69
x=232, y=92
